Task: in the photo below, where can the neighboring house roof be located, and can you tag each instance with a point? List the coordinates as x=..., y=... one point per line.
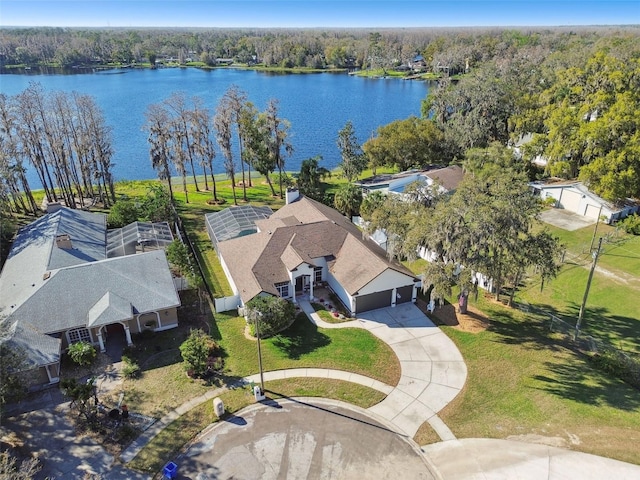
x=67, y=298
x=449, y=177
x=34, y=252
x=39, y=349
x=299, y=232
x=57, y=277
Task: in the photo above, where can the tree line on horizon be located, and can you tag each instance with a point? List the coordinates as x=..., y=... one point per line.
x=443, y=50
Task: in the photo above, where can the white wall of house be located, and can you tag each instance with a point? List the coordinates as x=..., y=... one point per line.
x=340, y=291
x=302, y=270
x=574, y=200
x=386, y=281
x=234, y=288
x=321, y=262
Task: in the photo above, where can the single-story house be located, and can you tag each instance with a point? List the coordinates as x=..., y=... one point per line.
x=448, y=179
x=68, y=279
x=575, y=197
x=396, y=183
x=305, y=244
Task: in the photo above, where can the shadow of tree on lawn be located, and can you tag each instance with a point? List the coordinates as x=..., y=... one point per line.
x=580, y=382
x=300, y=338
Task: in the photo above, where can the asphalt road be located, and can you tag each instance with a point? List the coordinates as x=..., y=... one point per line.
x=298, y=440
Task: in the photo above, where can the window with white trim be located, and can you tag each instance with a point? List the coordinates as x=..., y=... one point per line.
x=283, y=289
x=317, y=274
x=79, y=335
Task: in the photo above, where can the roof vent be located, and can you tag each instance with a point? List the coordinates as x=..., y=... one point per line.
x=46, y=275
x=63, y=241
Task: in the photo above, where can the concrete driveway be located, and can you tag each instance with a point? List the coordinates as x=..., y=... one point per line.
x=302, y=439
x=566, y=220
x=433, y=370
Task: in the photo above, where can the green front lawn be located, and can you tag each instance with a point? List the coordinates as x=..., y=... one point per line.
x=523, y=382
x=304, y=345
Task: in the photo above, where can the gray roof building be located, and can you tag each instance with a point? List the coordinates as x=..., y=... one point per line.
x=58, y=277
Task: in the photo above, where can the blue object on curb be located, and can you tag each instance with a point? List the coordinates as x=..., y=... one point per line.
x=170, y=470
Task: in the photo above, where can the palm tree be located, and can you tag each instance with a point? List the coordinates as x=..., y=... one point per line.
x=348, y=199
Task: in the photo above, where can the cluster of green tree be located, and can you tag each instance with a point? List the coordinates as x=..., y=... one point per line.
x=199, y=352
x=65, y=138
x=445, y=51
x=487, y=225
x=270, y=314
x=183, y=135
x=580, y=104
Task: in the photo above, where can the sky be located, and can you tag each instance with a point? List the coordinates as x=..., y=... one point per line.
x=317, y=13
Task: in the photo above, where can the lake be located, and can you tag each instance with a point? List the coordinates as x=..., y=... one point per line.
x=316, y=105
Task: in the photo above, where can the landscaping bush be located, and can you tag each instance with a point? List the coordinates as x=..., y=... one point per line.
x=197, y=351
x=82, y=353
x=130, y=369
x=612, y=362
x=631, y=224
x=122, y=213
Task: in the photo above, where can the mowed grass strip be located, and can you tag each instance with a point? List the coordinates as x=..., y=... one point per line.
x=522, y=382
x=172, y=439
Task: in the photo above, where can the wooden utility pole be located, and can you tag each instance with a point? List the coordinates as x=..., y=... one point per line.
x=595, y=256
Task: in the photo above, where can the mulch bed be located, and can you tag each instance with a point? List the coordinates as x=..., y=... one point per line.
x=473, y=321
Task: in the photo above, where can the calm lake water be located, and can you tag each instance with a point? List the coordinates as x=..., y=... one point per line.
x=316, y=105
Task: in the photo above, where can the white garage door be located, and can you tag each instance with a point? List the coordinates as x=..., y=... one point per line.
x=570, y=200
x=592, y=211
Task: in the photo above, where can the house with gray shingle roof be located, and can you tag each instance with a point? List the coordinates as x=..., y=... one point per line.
x=60, y=285
x=306, y=243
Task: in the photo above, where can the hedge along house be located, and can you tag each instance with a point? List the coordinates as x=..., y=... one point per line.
x=305, y=244
x=64, y=282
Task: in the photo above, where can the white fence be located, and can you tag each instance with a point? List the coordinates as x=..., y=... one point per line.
x=181, y=283
x=225, y=304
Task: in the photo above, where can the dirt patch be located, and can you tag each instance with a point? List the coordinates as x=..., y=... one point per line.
x=473, y=321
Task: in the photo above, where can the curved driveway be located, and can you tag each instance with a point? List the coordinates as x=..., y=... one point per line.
x=432, y=369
